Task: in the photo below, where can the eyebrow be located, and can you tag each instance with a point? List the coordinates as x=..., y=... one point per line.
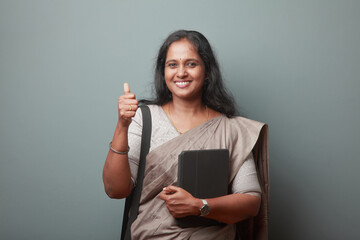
x=187, y=60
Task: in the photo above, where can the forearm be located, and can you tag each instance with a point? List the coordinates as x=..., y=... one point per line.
x=233, y=208
x=116, y=173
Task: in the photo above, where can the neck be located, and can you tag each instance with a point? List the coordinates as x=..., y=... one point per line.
x=187, y=108
x=186, y=115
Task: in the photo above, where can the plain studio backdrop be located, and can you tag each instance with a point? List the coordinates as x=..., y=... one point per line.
x=292, y=64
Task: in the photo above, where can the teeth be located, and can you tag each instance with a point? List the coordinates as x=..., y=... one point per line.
x=181, y=83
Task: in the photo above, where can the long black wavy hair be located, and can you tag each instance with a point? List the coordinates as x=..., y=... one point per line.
x=214, y=93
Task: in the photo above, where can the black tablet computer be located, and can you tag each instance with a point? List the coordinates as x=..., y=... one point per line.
x=204, y=174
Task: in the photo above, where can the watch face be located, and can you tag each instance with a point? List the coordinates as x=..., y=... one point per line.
x=205, y=210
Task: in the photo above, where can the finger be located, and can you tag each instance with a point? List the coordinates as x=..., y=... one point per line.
x=127, y=96
x=128, y=107
x=172, y=189
x=126, y=88
x=162, y=196
x=132, y=107
x=127, y=114
x=169, y=191
x=124, y=102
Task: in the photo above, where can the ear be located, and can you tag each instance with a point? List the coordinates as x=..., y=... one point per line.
x=206, y=77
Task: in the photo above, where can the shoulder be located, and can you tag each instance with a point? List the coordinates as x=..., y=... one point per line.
x=243, y=122
x=245, y=127
x=156, y=113
x=137, y=120
x=155, y=109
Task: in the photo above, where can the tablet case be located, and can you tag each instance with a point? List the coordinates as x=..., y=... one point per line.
x=204, y=174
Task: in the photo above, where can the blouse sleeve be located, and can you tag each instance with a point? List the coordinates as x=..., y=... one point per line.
x=246, y=180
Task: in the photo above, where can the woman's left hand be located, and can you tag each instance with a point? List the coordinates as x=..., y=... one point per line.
x=179, y=202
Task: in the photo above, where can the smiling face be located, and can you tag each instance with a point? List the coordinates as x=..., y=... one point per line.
x=184, y=71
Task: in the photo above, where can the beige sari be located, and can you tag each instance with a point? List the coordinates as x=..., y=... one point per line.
x=240, y=136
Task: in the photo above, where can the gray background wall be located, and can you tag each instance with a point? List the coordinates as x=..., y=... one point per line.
x=293, y=64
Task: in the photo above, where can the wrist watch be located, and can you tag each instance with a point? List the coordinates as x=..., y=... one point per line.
x=205, y=209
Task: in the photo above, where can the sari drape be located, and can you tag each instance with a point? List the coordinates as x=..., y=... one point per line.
x=239, y=135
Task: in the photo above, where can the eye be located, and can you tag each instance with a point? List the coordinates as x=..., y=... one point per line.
x=172, y=65
x=192, y=64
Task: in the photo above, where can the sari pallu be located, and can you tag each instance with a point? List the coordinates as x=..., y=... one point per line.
x=238, y=134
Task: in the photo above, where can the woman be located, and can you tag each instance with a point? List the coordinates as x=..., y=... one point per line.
x=192, y=110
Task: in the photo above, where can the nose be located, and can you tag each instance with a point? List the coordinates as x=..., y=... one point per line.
x=181, y=73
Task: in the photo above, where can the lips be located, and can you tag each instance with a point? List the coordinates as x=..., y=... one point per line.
x=182, y=84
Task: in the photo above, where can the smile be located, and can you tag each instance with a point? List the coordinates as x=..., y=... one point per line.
x=182, y=84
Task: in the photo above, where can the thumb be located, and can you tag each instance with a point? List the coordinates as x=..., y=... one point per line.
x=126, y=88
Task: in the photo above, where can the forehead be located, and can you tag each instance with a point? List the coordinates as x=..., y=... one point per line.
x=181, y=49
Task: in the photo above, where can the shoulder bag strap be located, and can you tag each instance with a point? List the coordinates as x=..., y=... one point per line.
x=132, y=202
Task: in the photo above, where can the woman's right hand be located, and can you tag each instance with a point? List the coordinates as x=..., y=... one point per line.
x=127, y=106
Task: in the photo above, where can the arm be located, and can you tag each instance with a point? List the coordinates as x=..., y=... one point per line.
x=116, y=173
x=228, y=209
x=233, y=208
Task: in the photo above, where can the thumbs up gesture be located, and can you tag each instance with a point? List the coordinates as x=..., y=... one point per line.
x=127, y=106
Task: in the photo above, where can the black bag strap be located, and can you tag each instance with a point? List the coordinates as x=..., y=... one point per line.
x=132, y=201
